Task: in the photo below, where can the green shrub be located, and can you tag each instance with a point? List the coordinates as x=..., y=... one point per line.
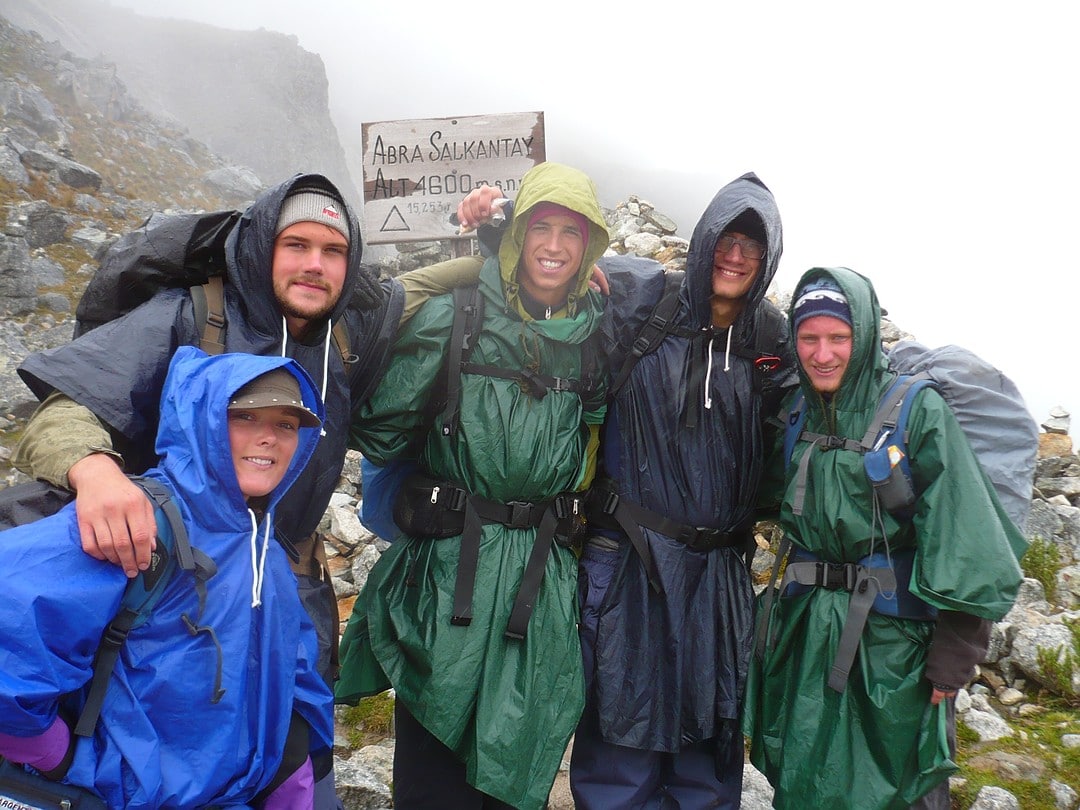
x=1059, y=665
x=1041, y=561
x=369, y=721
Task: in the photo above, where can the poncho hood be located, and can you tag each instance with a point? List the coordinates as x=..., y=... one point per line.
x=745, y=193
x=867, y=369
x=193, y=434
x=249, y=254
x=569, y=187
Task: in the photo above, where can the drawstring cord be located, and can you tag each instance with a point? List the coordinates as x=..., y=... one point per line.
x=708, y=375
x=708, y=367
x=258, y=564
x=325, y=360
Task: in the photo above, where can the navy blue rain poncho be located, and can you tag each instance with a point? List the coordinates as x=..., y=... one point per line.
x=160, y=741
x=117, y=369
x=670, y=670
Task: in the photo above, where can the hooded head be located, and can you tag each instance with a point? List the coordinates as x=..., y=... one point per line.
x=250, y=250
x=193, y=434
x=566, y=195
x=845, y=295
x=744, y=206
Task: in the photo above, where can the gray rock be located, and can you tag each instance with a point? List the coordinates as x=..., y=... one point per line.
x=1065, y=798
x=92, y=240
x=54, y=302
x=38, y=223
x=357, y=786
x=18, y=292
x=987, y=725
x=67, y=171
x=11, y=168
x=26, y=104
x=757, y=793
x=46, y=272
x=235, y=183
x=995, y=798
x=1068, y=587
x=1058, y=421
x=642, y=244
x=1053, y=637
x=363, y=563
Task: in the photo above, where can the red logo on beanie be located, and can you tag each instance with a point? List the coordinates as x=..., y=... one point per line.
x=330, y=211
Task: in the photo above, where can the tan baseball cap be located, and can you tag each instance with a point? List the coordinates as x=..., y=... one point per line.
x=277, y=388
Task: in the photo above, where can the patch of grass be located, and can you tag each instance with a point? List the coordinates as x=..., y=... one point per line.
x=369, y=721
x=1038, y=736
x=1042, y=561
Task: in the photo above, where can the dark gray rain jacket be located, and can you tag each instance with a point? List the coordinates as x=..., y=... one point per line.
x=670, y=668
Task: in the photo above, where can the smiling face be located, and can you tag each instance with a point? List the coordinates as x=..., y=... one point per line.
x=733, y=271
x=551, y=258
x=824, y=346
x=262, y=442
x=309, y=268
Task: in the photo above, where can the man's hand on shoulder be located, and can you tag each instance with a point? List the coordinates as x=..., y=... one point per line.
x=116, y=519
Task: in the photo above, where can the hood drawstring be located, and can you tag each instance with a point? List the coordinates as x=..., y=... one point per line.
x=258, y=563
x=700, y=359
x=708, y=367
x=708, y=375
x=325, y=359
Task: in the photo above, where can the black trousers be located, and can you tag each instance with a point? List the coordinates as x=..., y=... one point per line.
x=427, y=775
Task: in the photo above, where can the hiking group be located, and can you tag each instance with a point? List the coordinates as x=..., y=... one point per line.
x=573, y=475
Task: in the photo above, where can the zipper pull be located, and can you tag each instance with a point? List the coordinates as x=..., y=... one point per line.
x=434, y=494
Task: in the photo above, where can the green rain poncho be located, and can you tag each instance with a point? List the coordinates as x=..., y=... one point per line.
x=880, y=743
x=506, y=707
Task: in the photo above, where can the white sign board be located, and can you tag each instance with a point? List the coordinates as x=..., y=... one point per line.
x=417, y=171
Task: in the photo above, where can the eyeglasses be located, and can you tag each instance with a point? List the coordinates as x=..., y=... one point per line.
x=751, y=248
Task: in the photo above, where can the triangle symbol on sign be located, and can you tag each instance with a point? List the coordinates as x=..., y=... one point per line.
x=395, y=221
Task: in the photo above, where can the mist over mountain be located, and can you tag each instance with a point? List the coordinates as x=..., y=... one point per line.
x=267, y=107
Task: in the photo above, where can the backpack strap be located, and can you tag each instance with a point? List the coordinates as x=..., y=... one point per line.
x=766, y=340
x=653, y=331
x=468, y=318
x=340, y=334
x=173, y=551
x=889, y=422
x=209, y=302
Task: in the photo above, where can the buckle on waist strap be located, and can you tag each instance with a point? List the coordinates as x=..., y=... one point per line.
x=836, y=575
x=698, y=538
x=519, y=514
x=609, y=501
x=456, y=499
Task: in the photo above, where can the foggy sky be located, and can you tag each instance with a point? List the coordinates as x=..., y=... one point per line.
x=930, y=146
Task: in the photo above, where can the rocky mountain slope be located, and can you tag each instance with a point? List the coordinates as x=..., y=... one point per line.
x=269, y=109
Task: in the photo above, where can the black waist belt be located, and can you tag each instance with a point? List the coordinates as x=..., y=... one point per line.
x=604, y=506
x=20, y=788
x=878, y=583
x=555, y=520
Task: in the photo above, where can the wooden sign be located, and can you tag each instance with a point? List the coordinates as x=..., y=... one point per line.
x=417, y=171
